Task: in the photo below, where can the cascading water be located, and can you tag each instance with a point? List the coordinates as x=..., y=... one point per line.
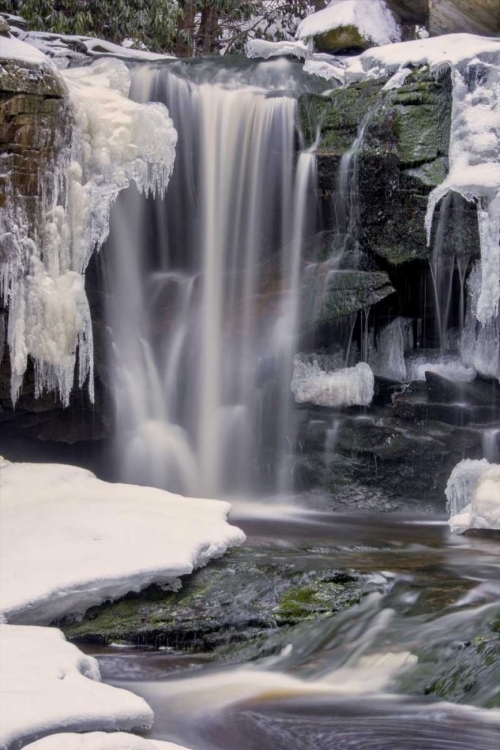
x=204, y=288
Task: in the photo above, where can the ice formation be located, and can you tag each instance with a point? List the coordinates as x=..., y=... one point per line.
x=48, y=685
x=473, y=493
x=264, y=49
x=352, y=386
x=480, y=343
x=100, y=741
x=113, y=538
x=372, y=18
x=447, y=365
x=114, y=141
x=387, y=357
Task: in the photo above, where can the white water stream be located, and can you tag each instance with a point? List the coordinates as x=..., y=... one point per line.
x=204, y=288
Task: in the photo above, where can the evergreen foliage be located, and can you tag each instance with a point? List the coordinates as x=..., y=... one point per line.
x=182, y=27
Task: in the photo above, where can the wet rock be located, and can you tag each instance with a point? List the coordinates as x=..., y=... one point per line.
x=380, y=462
x=478, y=393
x=234, y=600
x=403, y=157
x=347, y=292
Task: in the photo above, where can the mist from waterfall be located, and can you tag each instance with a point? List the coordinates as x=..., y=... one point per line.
x=204, y=286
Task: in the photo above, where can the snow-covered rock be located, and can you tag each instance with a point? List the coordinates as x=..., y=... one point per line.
x=358, y=23
x=100, y=741
x=266, y=50
x=69, y=541
x=48, y=685
x=473, y=493
x=15, y=49
x=352, y=386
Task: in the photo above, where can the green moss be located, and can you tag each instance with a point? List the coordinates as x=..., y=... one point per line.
x=343, y=37
x=298, y=603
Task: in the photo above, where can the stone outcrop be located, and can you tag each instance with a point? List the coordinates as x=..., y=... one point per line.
x=450, y=16
x=403, y=157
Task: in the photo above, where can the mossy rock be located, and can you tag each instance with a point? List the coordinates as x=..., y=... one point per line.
x=243, y=596
x=404, y=156
x=347, y=292
x=342, y=38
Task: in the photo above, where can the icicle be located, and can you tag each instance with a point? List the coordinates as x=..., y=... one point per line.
x=114, y=141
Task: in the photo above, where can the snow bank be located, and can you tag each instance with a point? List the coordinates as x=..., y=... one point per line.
x=353, y=386
x=473, y=493
x=69, y=541
x=67, y=48
x=447, y=365
x=115, y=141
x=48, y=685
x=372, y=18
x=14, y=49
x=100, y=741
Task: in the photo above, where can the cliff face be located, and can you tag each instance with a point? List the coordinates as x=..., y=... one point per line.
x=402, y=157
x=451, y=16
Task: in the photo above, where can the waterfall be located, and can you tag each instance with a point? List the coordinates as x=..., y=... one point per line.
x=204, y=286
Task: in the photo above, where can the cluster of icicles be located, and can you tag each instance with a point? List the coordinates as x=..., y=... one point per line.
x=474, y=172
x=114, y=140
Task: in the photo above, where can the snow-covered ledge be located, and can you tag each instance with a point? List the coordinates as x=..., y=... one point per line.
x=68, y=541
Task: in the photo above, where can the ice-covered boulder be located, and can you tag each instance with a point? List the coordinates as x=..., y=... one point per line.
x=473, y=493
x=351, y=24
x=69, y=541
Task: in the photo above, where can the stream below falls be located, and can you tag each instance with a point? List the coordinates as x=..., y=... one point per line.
x=413, y=665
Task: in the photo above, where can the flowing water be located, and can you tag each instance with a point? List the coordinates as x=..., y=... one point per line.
x=205, y=285
x=356, y=680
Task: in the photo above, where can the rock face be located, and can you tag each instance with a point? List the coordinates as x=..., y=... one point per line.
x=455, y=16
x=403, y=157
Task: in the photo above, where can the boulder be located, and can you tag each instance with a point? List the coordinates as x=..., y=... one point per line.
x=471, y=16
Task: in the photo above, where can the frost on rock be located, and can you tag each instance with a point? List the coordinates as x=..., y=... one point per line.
x=114, y=141
x=48, y=685
x=473, y=493
x=352, y=386
x=113, y=539
x=373, y=19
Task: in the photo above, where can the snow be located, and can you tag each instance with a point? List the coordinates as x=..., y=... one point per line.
x=66, y=48
x=473, y=493
x=100, y=741
x=264, y=49
x=69, y=541
x=48, y=685
x=372, y=18
x=14, y=49
x=352, y=386
x=447, y=365
x=325, y=69
x=115, y=141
